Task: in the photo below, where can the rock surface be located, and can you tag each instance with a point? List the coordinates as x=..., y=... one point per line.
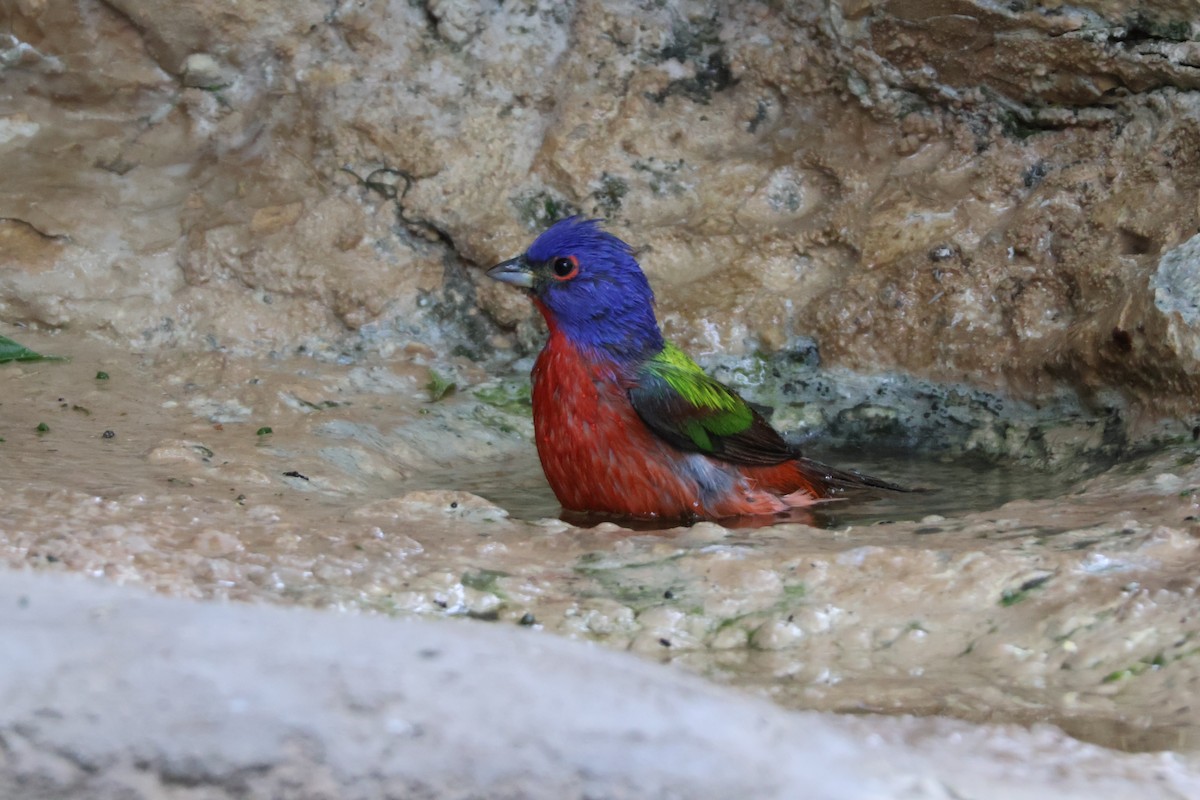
x=109, y=693
x=265, y=222
x=960, y=190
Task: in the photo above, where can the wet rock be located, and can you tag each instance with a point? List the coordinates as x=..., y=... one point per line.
x=20, y=242
x=367, y=684
x=776, y=634
x=459, y=505
x=600, y=617
x=216, y=543
x=203, y=71
x=1176, y=285
x=457, y=20
x=180, y=451
x=664, y=628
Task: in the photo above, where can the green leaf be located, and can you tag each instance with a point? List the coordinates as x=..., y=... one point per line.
x=102, y=376
x=263, y=431
x=42, y=428
x=11, y=351
x=438, y=387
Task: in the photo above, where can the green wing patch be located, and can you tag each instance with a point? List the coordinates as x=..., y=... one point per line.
x=695, y=412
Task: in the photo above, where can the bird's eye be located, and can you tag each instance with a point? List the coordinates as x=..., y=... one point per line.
x=565, y=267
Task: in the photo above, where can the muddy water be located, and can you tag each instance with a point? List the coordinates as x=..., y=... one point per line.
x=1003, y=596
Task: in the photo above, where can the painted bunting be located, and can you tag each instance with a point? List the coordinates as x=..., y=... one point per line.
x=625, y=422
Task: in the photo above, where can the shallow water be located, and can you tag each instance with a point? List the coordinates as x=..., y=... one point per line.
x=1004, y=595
x=943, y=487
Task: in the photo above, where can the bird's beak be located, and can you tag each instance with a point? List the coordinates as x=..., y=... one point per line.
x=515, y=271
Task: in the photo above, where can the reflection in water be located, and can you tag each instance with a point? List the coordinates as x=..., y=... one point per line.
x=944, y=487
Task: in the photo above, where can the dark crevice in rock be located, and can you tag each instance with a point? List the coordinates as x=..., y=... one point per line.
x=52, y=237
x=456, y=305
x=394, y=184
x=122, y=14
x=713, y=76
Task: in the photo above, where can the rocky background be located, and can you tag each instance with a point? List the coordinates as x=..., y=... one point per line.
x=997, y=194
x=258, y=230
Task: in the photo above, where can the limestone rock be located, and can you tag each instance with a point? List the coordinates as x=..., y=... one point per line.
x=963, y=191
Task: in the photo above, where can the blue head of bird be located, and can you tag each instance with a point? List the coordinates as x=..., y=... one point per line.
x=589, y=287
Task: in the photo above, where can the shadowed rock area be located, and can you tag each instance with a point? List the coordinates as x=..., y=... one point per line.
x=954, y=243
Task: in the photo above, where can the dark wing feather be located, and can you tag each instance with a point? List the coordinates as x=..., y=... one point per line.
x=831, y=480
x=697, y=413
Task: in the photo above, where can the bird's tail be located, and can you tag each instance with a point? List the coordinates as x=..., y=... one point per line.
x=828, y=481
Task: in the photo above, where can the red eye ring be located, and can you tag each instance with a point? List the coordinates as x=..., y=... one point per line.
x=565, y=268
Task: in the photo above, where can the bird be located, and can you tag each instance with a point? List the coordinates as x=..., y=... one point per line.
x=626, y=424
